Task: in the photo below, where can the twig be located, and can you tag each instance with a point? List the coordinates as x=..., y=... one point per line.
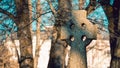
x=51, y=7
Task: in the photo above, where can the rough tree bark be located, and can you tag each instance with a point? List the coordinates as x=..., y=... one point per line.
x=24, y=34
x=57, y=53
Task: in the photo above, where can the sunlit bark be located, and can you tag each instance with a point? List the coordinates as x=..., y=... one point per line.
x=38, y=13
x=51, y=7
x=30, y=14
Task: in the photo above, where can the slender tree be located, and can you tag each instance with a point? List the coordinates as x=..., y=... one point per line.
x=38, y=13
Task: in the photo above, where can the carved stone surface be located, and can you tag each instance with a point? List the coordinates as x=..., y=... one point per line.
x=76, y=31
x=98, y=54
x=79, y=32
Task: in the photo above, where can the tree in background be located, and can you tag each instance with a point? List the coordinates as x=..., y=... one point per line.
x=38, y=45
x=24, y=34
x=22, y=17
x=22, y=21
x=113, y=15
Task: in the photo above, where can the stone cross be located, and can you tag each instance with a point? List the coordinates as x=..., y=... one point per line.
x=79, y=32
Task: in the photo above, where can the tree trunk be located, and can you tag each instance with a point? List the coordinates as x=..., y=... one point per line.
x=115, y=36
x=38, y=12
x=113, y=15
x=57, y=53
x=24, y=34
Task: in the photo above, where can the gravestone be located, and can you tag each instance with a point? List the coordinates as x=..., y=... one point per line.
x=78, y=32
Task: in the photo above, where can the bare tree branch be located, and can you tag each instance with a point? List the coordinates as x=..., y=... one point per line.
x=81, y=4
x=51, y=7
x=91, y=7
x=7, y=13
